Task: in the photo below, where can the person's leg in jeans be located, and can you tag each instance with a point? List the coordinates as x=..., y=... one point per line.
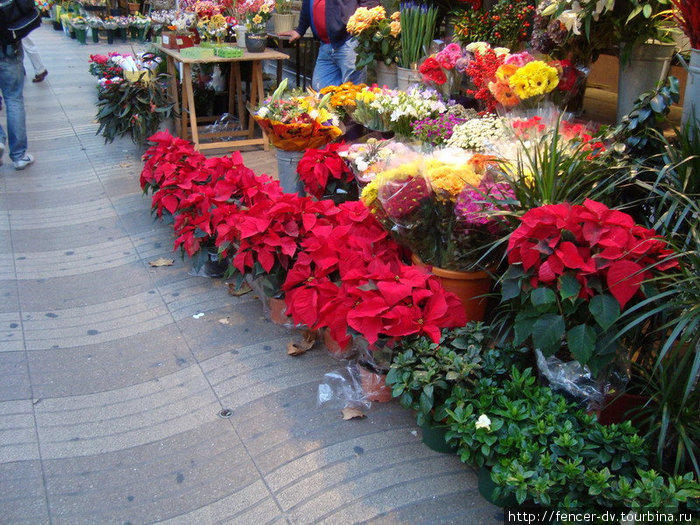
x=11, y=85
x=33, y=54
x=326, y=71
x=345, y=57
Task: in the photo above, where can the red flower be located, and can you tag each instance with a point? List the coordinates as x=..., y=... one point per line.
x=588, y=241
x=317, y=166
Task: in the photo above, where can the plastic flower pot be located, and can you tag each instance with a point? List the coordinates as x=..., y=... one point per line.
x=468, y=286
x=434, y=438
x=95, y=34
x=278, y=311
x=122, y=33
x=134, y=31
x=141, y=34
x=487, y=486
x=110, y=36
x=334, y=348
x=81, y=35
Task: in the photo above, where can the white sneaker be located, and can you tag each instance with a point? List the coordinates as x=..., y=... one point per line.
x=24, y=161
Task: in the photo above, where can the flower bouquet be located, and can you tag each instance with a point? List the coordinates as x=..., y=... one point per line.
x=441, y=206
x=109, y=23
x=369, y=158
x=297, y=122
x=378, y=37
x=343, y=97
x=479, y=134
x=213, y=28
x=383, y=109
x=521, y=81
x=439, y=70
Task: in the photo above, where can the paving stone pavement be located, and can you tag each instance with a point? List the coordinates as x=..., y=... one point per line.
x=110, y=390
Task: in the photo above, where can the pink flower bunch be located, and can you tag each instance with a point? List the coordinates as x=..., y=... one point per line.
x=474, y=204
x=449, y=56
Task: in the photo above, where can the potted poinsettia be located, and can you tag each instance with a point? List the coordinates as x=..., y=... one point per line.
x=325, y=174
x=574, y=269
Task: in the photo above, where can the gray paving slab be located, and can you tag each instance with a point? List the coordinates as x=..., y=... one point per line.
x=113, y=373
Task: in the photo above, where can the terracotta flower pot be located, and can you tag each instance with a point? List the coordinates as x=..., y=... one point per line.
x=465, y=285
x=374, y=385
x=334, y=348
x=278, y=311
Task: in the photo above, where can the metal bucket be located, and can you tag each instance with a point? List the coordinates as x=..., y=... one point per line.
x=691, y=98
x=287, y=171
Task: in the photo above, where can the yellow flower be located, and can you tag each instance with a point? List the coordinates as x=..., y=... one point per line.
x=369, y=192
x=265, y=8
x=363, y=18
x=534, y=79
x=395, y=28
x=257, y=19
x=396, y=16
x=448, y=180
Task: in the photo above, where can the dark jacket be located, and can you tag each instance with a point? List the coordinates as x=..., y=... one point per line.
x=337, y=14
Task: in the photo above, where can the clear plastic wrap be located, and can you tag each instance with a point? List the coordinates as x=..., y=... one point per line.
x=274, y=308
x=342, y=388
x=577, y=382
x=226, y=124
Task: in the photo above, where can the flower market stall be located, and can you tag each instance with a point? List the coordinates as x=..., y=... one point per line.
x=504, y=268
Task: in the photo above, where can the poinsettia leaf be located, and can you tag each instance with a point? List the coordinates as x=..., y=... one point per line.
x=581, y=340
x=523, y=327
x=547, y=332
x=624, y=279
x=568, y=286
x=604, y=309
x=541, y=298
x=510, y=288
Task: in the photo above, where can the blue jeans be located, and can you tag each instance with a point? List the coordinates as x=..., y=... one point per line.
x=12, y=85
x=337, y=65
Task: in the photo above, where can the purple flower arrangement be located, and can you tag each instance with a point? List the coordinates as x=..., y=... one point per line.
x=474, y=206
x=436, y=131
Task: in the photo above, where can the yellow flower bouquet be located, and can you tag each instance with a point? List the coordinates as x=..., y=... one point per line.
x=523, y=82
x=378, y=36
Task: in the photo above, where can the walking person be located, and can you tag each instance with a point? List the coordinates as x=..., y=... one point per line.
x=336, y=56
x=30, y=49
x=12, y=86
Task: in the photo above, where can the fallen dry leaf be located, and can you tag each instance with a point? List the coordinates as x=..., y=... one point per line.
x=308, y=340
x=162, y=261
x=126, y=164
x=237, y=292
x=224, y=320
x=352, y=413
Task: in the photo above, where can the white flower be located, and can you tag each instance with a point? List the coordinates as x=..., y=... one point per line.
x=483, y=422
x=480, y=47
x=501, y=51
x=571, y=21
x=263, y=112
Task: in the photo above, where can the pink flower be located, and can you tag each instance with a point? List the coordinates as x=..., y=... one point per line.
x=519, y=59
x=449, y=56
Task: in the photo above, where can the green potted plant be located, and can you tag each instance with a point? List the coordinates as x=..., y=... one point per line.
x=423, y=374
x=282, y=17
x=135, y=109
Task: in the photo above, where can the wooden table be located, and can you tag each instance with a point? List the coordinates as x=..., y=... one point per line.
x=187, y=124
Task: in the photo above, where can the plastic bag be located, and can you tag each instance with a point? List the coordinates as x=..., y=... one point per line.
x=226, y=124
x=342, y=389
x=217, y=82
x=576, y=381
x=274, y=308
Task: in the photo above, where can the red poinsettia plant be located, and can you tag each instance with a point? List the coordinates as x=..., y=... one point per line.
x=573, y=270
x=325, y=174
x=349, y=278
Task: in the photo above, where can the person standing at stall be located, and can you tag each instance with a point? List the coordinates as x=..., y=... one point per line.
x=336, y=56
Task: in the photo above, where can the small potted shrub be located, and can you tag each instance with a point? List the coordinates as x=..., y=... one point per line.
x=423, y=375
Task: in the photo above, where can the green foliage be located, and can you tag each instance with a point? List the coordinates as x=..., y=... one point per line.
x=548, y=317
x=423, y=374
x=543, y=449
x=417, y=29
x=135, y=109
x=639, y=131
